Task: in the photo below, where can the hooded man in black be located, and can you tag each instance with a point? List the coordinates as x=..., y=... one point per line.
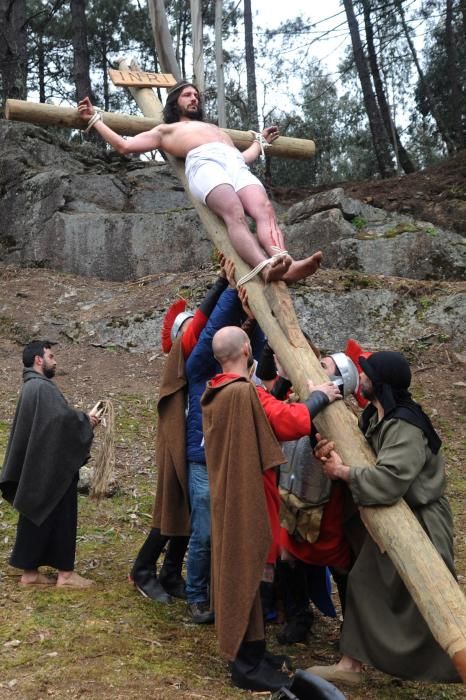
x=49, y=442
x=382, y=626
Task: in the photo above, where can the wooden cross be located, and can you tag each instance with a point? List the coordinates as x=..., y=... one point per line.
x=395, y=529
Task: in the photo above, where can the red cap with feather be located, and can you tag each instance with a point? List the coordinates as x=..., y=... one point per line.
x=172, y=323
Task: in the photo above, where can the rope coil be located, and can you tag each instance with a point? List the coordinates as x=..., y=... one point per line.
x=103, y=471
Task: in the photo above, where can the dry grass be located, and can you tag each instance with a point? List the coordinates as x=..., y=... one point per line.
x=104, y=467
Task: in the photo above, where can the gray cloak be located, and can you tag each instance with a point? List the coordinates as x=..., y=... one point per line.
x=49, y=442
x=383, y=626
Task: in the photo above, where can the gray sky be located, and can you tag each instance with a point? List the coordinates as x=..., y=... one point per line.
x=327, y=16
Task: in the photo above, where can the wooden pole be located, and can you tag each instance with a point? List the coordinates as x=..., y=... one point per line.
x=394, y=528
x=127, y=125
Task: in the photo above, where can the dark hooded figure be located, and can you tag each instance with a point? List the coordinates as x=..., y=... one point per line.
x=382, y=625
x=49, y=442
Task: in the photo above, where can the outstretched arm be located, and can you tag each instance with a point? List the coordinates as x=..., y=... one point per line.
x=269, y=134
x=146, y=141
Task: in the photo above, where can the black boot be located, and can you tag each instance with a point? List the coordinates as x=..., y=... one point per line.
x=306, y=686
x=170, y=574
x=299, y=617
x=296, y=629
x=281, y=662
x=143, y=574
x=251, y=671
x=146, y=582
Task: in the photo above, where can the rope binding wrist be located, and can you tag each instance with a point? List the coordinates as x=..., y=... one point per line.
x=261, y=140
x=96, y=117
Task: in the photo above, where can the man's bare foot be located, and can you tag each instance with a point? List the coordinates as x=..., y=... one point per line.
x=347, y=663
x=70, y=579
x=35, y=578
x=277, y=268
x=300, y=269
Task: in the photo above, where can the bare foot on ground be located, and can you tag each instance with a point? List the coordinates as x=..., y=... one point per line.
x=70, y=579
x=35, y=578
x=277, y=269
x=300, y=269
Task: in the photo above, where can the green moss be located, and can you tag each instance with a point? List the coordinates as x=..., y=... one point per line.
x=355, y=280
x=359, y=223
x=403, y=227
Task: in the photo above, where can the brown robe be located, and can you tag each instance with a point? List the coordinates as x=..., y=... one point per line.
x=240, y=445
x=171, y=506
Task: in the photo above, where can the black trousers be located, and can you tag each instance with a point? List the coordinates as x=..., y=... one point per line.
x=54, y=542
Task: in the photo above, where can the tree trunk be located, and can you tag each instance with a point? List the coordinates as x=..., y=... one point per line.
x=184, y=22
x=379, y=139
x=221, y=107
x=41, y=66
x=443, y=131
x=250, y=67
x=162, y=38
x=13, y=49
x=455, y=107
x=463, y=15
x=81, y=61
x=198, y=46
x=104, y=67
x=401, y=154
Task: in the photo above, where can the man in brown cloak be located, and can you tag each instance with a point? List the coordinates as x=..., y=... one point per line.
x=242, y=450
x=171, y=518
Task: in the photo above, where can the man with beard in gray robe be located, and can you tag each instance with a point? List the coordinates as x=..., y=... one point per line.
x=49, y=442
x=382, y=626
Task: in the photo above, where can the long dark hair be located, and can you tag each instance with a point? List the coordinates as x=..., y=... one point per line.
x=171, y=113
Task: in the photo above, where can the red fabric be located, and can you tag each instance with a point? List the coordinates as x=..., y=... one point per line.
x=192, y=333
x=222, y=378
x=331, y=548
x=272, y=498
x=289, y=421
x=355, y=352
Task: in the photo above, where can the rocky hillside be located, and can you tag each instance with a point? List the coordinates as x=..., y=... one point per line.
x=389, y=279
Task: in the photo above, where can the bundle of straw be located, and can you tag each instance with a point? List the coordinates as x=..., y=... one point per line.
x=103, y=471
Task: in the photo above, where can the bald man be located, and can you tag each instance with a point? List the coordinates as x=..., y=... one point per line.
x=242, y=427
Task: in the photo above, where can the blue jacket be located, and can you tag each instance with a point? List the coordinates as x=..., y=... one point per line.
x=202, y=366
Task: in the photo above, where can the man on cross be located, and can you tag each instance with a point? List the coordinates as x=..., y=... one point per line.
x=218, y=175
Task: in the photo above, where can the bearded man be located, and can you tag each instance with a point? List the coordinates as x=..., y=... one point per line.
x=49, y=442
x=218, y=175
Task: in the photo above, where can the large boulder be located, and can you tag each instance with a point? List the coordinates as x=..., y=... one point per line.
x=64, y=207
x=354, y=235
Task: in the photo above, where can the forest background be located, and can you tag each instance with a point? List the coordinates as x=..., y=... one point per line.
x=394, y=103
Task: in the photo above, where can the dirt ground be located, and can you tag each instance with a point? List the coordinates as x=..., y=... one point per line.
x=112, y=643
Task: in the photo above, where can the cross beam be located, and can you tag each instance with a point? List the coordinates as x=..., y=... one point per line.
x=128, y=125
